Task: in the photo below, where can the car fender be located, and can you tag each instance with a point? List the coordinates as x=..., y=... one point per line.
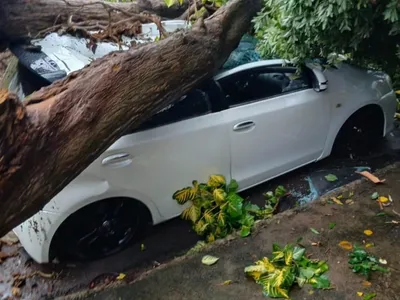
x=338, y=122
x=36, y=233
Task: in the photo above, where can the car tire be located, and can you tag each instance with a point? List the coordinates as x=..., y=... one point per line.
x=361, y=134
x=100, y=229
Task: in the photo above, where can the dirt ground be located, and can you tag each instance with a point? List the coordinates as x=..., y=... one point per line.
x=187, y=278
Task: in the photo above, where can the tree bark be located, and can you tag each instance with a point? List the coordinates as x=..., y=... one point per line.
x=48, y=141
x=25, y=18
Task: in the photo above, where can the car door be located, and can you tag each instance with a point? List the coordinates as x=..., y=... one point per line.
x=276, y=122
x=183, y=142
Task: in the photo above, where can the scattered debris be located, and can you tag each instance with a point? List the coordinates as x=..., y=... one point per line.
x=9, y=239
x=313, y=230
x=393, y=222
x=375, y=196
x=366, y=283
x=337, y=201
x=383, y=261
x=103, y=279
x=142, y=247
x=368, y=232
x=381, y=214
x=369, y=245
x=371, y=177
x=277, y=274
x=369, y=296
x=4, y=256
x=16, y=292
x=121, y=276
x=349, y=202
x=209, y=260
x=395, y=212
x=360, y=294
x=332, y=225
x=226, y=282
x=346, y=245
x=331, y=177
x=363, y=262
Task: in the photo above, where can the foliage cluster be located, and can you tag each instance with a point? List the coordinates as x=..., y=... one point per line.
x=366, y=31
x=287, y=266
x=364, y=263
x=216, y=209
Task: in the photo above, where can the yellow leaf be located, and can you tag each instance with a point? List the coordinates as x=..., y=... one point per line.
x=360, y=294
x=226, y=282
x=184, y=195
x=219, y=195
x=346, y=245
x=216, y=180
x=337, y=201
x=120, y=276
x=383, y=199
x=209, y=260
x=398, y=92
x=366, y=283
x=368, y=232
x=369, y=245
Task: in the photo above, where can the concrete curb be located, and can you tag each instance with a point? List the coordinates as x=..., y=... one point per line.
x=222, y=242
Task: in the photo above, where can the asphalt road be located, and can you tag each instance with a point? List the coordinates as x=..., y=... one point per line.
x=174, y=238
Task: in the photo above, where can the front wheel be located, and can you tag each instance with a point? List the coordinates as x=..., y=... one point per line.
x=100, y=229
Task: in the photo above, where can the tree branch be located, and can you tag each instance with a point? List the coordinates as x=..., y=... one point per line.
x=63, y=128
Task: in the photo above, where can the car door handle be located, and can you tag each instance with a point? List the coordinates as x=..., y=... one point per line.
x=244, y=126
x=117, y=160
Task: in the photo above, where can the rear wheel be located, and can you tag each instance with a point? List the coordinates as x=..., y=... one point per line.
x=361, y=134
x=100, y=229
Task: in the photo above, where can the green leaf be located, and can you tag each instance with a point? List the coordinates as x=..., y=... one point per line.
x=276, y=247
x=320, y=282
x=306, y=273
x=253, y=208
x=314, y=230
x=233, y=186
x=375, y=196
x=298, y=253
x=275, y=292
x=369, y=296
x=280, y=191
x=235, y=203
x=381, y=214
x=322, y=267
x=332, y=225
x=331, y=177
x=245, y=231
x=209, y=260
x=169, y=3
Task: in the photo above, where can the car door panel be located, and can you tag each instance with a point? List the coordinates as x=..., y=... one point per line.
x=167, y=158
x=289, y=131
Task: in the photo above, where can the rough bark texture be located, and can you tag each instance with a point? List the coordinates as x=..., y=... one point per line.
x=22, y=18
x=47, y=142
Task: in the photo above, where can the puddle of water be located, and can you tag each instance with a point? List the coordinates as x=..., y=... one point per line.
x=318, y=185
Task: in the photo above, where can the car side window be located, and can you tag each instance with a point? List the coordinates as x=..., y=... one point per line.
x=264, y=83
x=194, y=104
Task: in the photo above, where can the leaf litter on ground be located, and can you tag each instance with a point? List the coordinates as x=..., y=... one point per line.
x=371, y=177
x=331, y=177
x=209, y=260
x=287, y=266
x=313, y=230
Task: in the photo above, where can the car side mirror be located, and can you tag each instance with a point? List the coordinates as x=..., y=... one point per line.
x=320, y=83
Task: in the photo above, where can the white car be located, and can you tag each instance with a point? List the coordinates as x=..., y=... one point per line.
x=252, y=123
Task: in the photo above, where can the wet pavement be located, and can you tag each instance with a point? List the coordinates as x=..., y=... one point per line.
x=173, y=238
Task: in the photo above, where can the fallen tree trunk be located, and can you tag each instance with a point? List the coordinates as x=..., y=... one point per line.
x=49, y=141
x=20, y=18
